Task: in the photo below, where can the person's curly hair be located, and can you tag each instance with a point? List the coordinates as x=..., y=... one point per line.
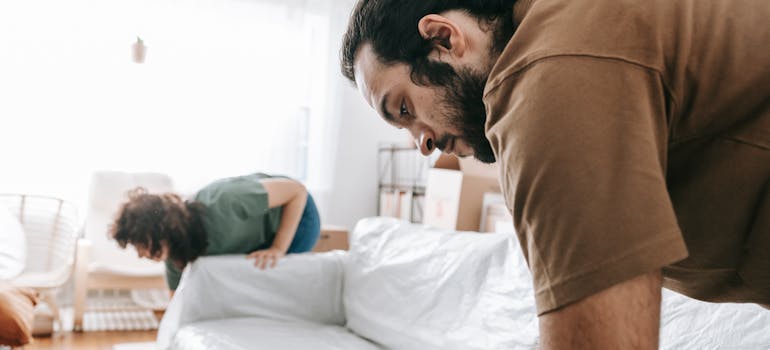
x=147, y=219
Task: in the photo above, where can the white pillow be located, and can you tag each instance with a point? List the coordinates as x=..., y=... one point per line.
x=13, y=250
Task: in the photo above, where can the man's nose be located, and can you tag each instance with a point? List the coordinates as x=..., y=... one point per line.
x=426, y=142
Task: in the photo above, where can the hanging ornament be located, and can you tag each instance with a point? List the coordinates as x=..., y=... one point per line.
x=139, y=50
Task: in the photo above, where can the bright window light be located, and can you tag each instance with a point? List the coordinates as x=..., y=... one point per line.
x=228, y=87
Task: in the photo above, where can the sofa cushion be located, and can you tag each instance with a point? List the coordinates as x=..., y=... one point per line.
x=302, y=287
x=269, y=334
x=412, y=287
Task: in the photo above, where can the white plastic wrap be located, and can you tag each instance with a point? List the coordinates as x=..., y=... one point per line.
x=691, y=324
x=411, y=287
x=405, y=287
x=263, y=334
x=302, y=287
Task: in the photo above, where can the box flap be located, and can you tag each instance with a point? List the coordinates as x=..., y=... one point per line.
x=474, y=167
x=468, y=165
x=447, y=161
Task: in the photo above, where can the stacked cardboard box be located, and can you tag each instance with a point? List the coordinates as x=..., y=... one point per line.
x=455, y=191
x=495, y=216
x=332, y=238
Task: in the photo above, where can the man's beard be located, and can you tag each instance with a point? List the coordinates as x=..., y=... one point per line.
x=462, y=96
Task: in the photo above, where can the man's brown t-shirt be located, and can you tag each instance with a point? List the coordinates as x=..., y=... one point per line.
x=634, y=135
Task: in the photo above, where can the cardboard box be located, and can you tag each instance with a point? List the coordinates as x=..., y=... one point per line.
x=396, y=204
x=455, y=190
x=332, y=238
x=495, y=216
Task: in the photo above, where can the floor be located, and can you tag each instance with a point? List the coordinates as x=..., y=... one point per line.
x=90, y=340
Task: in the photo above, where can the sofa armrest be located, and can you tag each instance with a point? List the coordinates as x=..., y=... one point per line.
x=306, y=287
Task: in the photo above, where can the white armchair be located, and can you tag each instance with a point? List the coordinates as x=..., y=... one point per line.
x=51, y=229
x=101, y=263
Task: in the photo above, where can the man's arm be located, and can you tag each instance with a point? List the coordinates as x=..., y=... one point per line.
x=624, y=316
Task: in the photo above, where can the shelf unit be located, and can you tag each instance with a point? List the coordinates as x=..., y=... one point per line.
x=402, y=174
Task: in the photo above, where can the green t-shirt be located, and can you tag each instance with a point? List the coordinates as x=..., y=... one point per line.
x=237, y=219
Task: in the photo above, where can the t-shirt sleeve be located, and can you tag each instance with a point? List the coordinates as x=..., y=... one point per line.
x=582, y=145
x=241, y=196
x=173, y=275
x=255, y=194
x=236, y=215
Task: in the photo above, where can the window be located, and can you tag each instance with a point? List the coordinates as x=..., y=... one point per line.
x=228, y=87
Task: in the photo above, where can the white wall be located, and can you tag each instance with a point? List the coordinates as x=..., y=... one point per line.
x=353, y=193
x=354, y=187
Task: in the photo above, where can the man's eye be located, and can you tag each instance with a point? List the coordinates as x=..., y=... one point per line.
x=403, y=109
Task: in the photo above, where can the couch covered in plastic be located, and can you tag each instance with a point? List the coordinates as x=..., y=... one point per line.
x=404, y=286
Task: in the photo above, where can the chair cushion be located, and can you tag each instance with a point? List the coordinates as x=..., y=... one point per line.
x=16, y=314
x=13, y=250
x=412, y=287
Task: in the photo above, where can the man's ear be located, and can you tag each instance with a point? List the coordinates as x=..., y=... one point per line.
x=446, y=36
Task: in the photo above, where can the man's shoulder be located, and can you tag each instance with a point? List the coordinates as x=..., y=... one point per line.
x=626, y=30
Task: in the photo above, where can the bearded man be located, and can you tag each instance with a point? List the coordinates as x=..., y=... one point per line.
x=633, y=138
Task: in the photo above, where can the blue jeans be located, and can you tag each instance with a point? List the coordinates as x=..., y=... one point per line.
x=308, y=230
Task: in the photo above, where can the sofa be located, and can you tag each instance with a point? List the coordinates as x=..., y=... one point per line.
x=403, y=286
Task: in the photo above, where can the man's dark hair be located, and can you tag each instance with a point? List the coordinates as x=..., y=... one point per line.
x=147, y=219
x=390, y=26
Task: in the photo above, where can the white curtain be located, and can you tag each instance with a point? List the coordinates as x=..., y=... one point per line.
x=228, y=87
